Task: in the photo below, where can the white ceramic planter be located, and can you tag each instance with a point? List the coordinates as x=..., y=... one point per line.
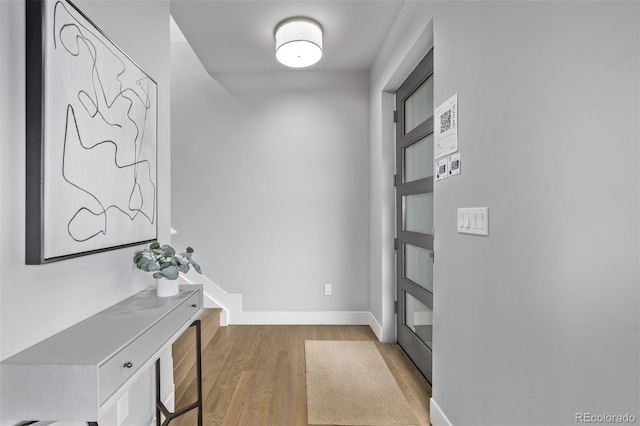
x=166, y=288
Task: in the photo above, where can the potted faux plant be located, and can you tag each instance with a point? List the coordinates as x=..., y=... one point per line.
x=166, y=266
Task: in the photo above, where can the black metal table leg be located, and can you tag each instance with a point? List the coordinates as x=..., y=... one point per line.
x=161, y=408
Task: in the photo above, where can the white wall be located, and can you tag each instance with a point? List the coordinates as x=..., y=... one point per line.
x=271, y=183
x=540, y=320
x=38, y=301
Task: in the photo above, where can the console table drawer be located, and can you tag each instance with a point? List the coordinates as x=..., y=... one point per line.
x=79, y=373
x=115, y=371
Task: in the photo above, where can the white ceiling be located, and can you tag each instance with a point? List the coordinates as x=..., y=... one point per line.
x=237, y=35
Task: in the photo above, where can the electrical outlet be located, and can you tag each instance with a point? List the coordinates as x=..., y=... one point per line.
x=123, y=408
x=327, y=289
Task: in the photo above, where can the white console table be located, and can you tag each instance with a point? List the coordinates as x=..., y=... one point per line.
x=79, y=373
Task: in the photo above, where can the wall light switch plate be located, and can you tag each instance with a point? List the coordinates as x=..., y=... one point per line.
x=473, y=220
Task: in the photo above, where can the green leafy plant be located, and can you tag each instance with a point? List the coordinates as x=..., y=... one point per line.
x=164, y=262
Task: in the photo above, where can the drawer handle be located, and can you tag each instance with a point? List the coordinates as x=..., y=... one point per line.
x=194, y=306
x=128, y=364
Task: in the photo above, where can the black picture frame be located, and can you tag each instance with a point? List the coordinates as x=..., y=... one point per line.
x=91, y=181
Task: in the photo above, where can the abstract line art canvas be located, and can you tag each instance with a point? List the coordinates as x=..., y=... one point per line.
x=91, y=139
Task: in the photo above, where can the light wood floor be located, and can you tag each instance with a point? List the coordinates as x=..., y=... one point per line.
x=255, y=375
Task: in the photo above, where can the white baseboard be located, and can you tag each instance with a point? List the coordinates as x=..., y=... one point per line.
x=215, y=297
x=438, y=418
x=375, y=326
x=232, y=312
x=301, y=318
x=170, y=402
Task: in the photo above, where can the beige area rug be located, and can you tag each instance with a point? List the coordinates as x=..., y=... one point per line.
x=348, y=383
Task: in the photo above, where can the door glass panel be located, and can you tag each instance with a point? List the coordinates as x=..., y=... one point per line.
x=419, y=319
x=419, y=106
x=418, y=266
x=417, y=213
x=418, y=159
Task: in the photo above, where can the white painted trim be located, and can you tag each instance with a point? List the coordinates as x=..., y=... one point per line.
x=388, y=222
x=215, y=296
x=376, y=327
x=437, y=416
x=232, y=312
x=301, y=318
x=170, y=402
x=210, y=303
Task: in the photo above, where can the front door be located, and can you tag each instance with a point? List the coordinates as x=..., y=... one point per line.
x=414, y=214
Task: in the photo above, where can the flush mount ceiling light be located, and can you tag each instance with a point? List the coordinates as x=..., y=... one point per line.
x=298, y=42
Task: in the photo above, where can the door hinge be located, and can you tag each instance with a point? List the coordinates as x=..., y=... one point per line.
x=395, y=307
x=395, y=116
x=432, y=255
x=396, y=244
x=396, y=180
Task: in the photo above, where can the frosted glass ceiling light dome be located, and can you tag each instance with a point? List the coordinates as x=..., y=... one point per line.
x=298, y=42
